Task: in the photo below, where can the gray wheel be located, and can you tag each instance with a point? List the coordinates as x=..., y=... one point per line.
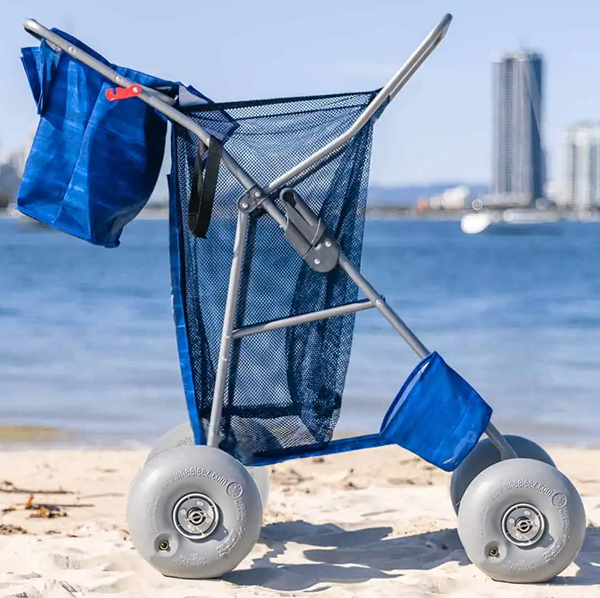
x=194, y=512
x=182, y=435
x=521, y=521
x=484, y=455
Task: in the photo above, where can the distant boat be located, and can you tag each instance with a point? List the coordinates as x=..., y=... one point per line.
x=512, y=221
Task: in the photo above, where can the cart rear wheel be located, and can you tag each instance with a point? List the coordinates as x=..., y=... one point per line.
x=182, y=435
x=484, y=455
x=194, y=512
x=521, y=521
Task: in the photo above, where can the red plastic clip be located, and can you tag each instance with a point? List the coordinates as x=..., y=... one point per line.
x=123, y=93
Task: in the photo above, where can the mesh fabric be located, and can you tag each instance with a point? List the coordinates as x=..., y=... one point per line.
x=284, y=387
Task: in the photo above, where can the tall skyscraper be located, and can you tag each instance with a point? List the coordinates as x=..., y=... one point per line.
x=583, y=165
x=519, y=164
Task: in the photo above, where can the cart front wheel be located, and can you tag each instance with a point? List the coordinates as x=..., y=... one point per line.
x=484, y=455
x=521, y=521
x=194, y=512
x=182, y=435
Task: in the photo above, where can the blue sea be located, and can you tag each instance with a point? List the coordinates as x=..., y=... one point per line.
x=87, y=340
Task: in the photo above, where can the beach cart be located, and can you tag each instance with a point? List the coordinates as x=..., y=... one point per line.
x=267, y=210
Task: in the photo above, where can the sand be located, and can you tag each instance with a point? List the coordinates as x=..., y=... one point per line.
x=375, y=523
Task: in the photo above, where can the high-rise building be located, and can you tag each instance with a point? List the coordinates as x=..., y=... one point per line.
x=582, y=144
x=519, y=164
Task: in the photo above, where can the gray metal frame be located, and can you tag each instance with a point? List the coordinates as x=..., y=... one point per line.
x=164, y=105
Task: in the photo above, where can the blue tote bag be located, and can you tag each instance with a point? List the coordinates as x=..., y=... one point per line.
x=94, y=163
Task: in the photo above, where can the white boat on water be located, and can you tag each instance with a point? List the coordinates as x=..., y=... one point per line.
x=510, y=221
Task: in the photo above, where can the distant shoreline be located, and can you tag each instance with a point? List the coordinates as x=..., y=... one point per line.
x=372, y=213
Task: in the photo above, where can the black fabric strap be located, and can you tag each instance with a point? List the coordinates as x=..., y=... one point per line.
x=204, y=187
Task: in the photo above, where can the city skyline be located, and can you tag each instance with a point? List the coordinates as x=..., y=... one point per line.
x=582, y=157
x=438, y=130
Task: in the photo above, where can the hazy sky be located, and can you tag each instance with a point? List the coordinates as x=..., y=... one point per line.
x=438, y=128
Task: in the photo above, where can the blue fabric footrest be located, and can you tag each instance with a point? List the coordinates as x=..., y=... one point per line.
x=436, y=415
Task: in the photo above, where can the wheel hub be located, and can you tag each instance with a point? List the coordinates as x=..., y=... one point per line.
x=523, y=524
x=195, y=516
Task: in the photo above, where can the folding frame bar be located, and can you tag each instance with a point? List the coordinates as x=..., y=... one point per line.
x=332, y=312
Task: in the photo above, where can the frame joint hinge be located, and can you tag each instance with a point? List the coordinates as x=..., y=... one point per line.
x=307, y=233
x=251, y=200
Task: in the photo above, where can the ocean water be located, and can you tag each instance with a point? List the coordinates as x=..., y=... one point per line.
x=87, y=340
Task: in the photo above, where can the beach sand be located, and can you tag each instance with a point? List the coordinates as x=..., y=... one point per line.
x=374, y=523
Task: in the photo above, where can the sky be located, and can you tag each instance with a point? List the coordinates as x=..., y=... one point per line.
x=437, y=129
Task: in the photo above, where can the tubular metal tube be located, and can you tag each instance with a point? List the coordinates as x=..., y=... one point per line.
x=342, y=310
x=420, y=59
x=226, y=336
x=392, y=87
x=270, y=208
x=153, y=98
x=40, y=32
x=496, y=438
x=388, y=313
x=407, y=77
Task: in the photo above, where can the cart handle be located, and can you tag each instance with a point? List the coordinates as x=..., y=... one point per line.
x=164, y=104
x=390, y=90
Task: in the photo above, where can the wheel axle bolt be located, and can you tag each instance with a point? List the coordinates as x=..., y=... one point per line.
x=523, y=524
x=493, y=552
x=164, y=546
x=196, y=516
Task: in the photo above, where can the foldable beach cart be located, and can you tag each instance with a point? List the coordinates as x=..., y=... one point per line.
x=267, y=207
